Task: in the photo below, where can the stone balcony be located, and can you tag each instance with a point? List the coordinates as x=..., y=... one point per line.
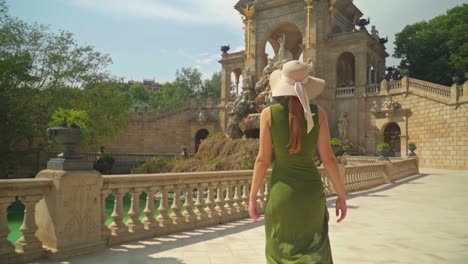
x=65, y=210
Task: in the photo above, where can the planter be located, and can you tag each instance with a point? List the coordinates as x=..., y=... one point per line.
x=412, y=149
x=70, y=138
x=338, y=150
x=384, y=153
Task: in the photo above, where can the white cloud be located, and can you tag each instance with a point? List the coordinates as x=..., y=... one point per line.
x=201, y=11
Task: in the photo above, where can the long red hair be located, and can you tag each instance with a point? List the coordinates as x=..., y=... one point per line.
x=296, y=114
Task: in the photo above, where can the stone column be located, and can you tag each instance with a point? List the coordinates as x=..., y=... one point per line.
x=69, y=217
x=6, y=248
x=453, y=94
x=384, y=87
x=405, y=84
x=369, y=76
x=225, y=95
x=465, y=91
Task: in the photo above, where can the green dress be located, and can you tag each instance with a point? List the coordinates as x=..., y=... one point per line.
x=296, y=216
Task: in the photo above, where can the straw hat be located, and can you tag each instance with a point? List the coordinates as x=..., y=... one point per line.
x=294, y=80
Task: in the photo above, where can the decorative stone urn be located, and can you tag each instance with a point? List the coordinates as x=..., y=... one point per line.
x=412, y=148
x=70, y=158
x=362, y=23
x=384, y=154
x=70, y=138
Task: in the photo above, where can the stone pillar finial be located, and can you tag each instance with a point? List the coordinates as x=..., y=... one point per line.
x=384, y=87
x=465, y=91
x=453, y=94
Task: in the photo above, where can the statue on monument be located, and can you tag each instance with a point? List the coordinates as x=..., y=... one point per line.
x=343, y=127
x=283, y=55
x=311, y=66
x=388, y=103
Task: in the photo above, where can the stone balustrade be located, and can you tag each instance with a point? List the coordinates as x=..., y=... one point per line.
x=29, y=192
x=360, y=177
x=373, y=89
x=209, y=198
x=453, y=95
x=429, y=88
x=174, y=202
x=361, y=160
x=402, y=168
x=345, y=91
x=394, y=86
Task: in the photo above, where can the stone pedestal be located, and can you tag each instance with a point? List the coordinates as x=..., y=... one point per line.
x=69, y=216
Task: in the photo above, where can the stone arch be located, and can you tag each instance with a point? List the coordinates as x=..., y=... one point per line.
x=199, y=136
x=236, y=79
x=391, y=133
x=346, y=69
x=295, y=35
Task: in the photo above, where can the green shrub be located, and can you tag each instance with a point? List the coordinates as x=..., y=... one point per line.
x=154, y=165
x=74, y=119
x=335, y=142
x=411, y=144
x=215, y=153
x=104, y=163
x=70, y=118
x=383, y=146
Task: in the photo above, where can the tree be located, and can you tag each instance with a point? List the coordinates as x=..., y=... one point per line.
x=169, y=94
x=212, y=87
x=39, y=72
x=189, y=81
x=140, y=93
x=437, y=50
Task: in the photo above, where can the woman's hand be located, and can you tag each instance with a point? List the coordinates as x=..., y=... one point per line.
x=253, y=208
x=341, y=208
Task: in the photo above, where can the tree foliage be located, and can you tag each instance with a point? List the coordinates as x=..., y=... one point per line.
x=436, y=51
x=42, y=71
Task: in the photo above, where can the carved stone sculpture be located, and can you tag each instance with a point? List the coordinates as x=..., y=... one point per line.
x=343, y=127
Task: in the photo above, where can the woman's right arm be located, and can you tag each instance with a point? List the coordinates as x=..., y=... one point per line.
x=331, y=165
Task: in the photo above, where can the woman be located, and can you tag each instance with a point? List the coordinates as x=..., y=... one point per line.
x=296, y=216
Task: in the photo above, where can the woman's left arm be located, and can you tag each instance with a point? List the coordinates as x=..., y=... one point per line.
x=262, y=162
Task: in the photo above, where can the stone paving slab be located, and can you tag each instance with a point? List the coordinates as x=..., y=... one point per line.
x=420, y=219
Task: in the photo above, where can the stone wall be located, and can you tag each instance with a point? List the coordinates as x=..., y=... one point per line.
x=438, y=129
x=165, y=134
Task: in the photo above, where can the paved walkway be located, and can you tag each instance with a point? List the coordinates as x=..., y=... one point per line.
x=421, y=219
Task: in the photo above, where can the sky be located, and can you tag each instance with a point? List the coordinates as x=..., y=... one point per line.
x=151, y=39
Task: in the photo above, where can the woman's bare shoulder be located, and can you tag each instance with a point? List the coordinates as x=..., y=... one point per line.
x=265, y=114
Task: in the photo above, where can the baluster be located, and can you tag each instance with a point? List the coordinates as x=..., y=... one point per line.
x=260, y=202
x=265, y=193
x=228, y=200
x=210, y=207
x=5, y=246
x=117, y=226
x=176, y=215
x=189, y=215
x=163, y=218
x=200, y=203
x=149, y=222
x=245, y=196
x=220, y=210
x=134, y=224
x=105, y=232
x=236, y=205
x=29, y=243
